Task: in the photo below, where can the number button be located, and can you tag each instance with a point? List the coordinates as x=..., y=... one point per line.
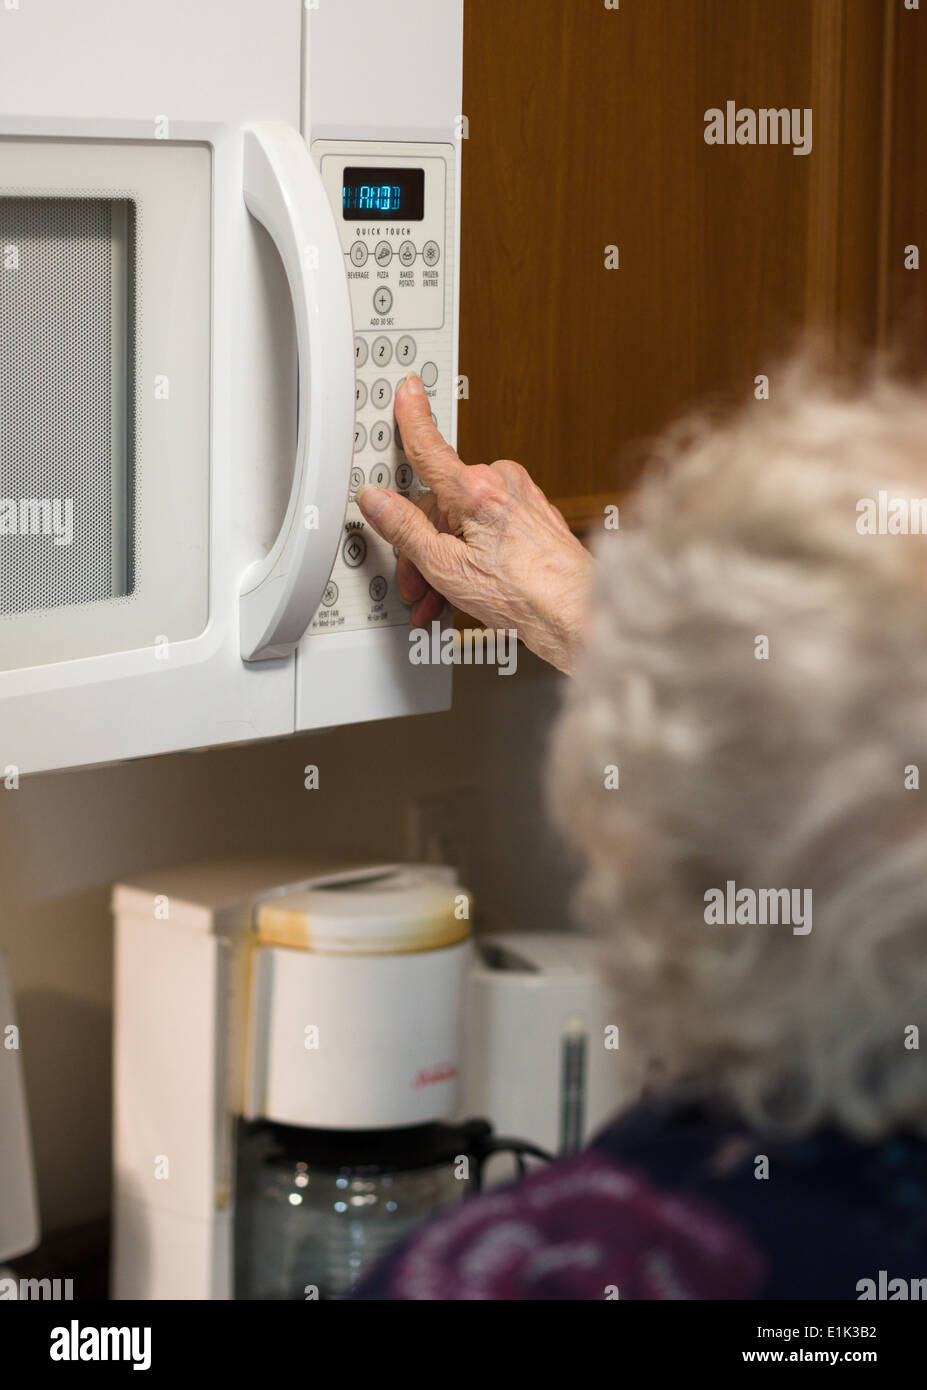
x=382, y=351
x=359, y=254
x=431, y=253
x=383, y=300
x=380, y=475
x=360, y=439
x=404, y=476
x=360, y=395
x=407, y=253
x=405, y=351
x=360, y=351
x=381, y=393
x=383, y=254
x=380, y=437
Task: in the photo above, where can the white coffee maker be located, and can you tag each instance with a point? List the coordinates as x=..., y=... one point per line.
x=296, y=1044
x=277, y=1001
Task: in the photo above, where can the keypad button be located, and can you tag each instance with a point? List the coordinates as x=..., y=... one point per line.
x=383, y=300
x=360, y=351
x=354, y=550
x=381, y=393
x=357, y=478
x=405, y=351
x=383, y=254
x=380, y=437
x=380, y=475
x=382, y=351
x=377, y=588
x=360, y=395
x=360, y=438
x=407, y=253
x=431, y=253
x=429, y=374
x=359, y=254
x=404, y=476
x=330, y=595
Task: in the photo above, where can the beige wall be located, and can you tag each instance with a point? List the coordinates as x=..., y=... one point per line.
x=65, y=837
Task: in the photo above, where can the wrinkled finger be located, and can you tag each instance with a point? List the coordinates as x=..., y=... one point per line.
x=435, y=462
x=404, y=525
x=410, y=581
x=427, y=609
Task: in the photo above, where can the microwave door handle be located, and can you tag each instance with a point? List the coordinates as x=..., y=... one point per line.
x=284, y=191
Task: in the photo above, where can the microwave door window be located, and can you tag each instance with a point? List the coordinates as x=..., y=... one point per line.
x=105, y=378
x=67, y=391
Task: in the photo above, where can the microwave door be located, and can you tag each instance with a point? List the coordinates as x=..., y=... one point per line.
x=145, y=603
x=147, y=377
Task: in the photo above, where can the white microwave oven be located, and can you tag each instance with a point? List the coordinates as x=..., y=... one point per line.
x=227, y=231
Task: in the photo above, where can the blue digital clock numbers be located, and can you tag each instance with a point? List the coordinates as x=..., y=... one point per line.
x=377, y=195
x=373, y=197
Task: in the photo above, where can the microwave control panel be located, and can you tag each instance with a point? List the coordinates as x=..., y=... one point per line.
x=394, y=204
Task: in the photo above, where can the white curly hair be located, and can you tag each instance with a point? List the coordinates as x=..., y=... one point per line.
x=786, y=772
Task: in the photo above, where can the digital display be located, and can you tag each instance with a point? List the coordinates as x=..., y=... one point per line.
x=383, y=195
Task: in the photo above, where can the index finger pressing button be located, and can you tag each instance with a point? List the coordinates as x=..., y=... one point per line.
x=434, y=460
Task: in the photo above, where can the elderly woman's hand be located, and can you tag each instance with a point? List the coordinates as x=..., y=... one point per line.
x=485, y=539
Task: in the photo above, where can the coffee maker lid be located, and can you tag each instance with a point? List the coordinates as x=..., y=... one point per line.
x=403, y=908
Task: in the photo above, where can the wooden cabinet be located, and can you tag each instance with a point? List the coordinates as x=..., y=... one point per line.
x=586, y=130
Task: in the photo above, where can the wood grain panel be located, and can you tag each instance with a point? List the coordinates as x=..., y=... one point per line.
x=587, y=130
x=903, y=302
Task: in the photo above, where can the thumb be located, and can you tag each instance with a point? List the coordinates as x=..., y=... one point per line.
x=401, y=523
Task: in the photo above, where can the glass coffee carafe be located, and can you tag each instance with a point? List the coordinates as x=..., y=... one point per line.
x=318, y=1208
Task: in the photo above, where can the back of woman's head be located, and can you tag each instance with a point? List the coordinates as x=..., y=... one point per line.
x=756, y=680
